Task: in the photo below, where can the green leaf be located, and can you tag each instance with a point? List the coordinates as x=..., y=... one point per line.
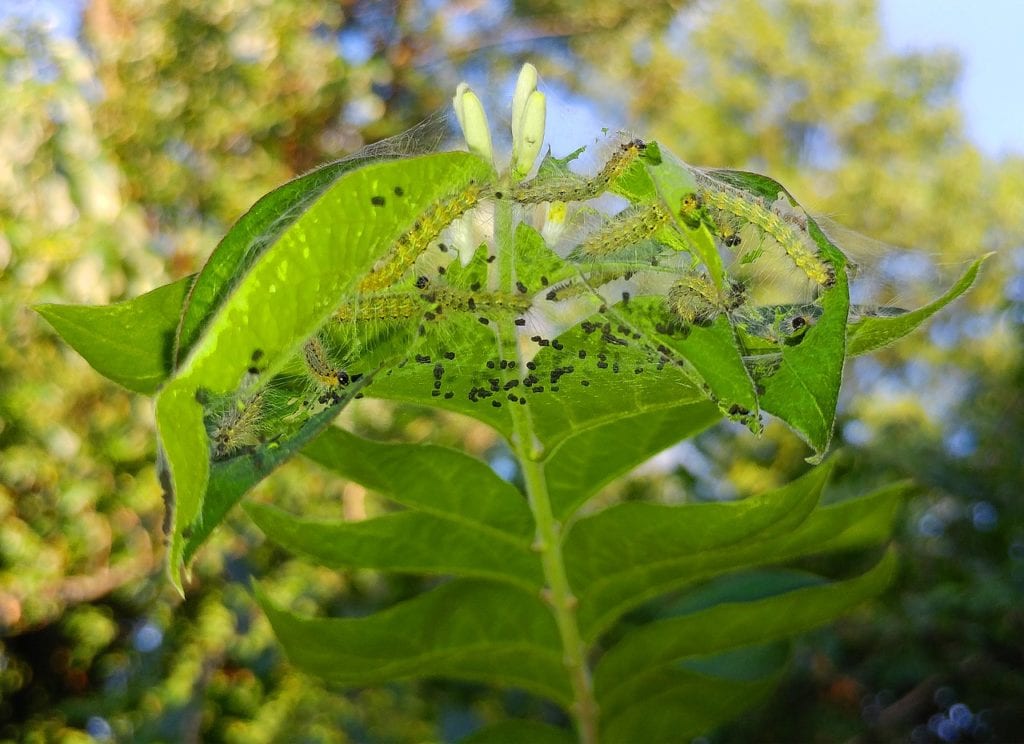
x=518, y=732
x=464, y=519
x=729, y=625
x=428, y=478
x=850, y=525
x=586, y=398
x=589, y=459
x=874, y=332
x=557, y=418
x=253, y=233
x=634, y=551
x=672, y=704
x=128, y=342
x=804, y=390
x=286, y=295
x=465, y=629
x=298, y=281
x=750, y=663
x=674, y=181
x=537, y=266
x=712, y=350
x=430, y=545
x=557, y=414
x=273, y=214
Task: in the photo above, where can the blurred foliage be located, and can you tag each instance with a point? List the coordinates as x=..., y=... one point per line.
x=126, y=151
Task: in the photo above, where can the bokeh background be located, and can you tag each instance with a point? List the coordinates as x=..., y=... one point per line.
x=134, y=132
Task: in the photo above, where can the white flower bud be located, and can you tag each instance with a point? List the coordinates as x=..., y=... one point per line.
x=473, y=120
x=525, y=85
x=528, y=136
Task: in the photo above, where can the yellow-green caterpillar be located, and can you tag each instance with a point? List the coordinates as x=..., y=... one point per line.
x=542, y=189
x=397, y=306
x=695, y=300
x=238, y=427
x=633, y=226
x=327, y=377
x=735, y=209
x=414, y=241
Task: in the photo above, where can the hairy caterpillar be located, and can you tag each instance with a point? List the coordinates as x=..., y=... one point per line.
x=255, y=417
x=238, y=427
x=327, y=378
x=541, y=189
x=396, y=306
x=581, y=286
x=414, y=241
x=795, y=324
x=781, y=222
x=695, y=300
x=776, y=326
x=632, y=226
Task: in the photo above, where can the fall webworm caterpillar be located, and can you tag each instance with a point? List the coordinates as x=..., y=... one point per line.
x=414, y=241
x=632, y=226
x=237, y=427
x=326, y=377
x=727, y=211
x=694, y=299
x=398, y=306
x=778, y=325
x=546, y=189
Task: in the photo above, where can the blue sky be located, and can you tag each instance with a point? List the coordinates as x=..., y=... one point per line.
x=988, y=35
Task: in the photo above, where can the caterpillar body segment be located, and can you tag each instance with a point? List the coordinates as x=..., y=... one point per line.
x=695, y=300
x=385, y=308
x=327, y=379
x=484, y=303
x=387, y=318
x=577, y=188
x=628, y=228
x=619, y=162
x=585, y=285
x=238, y=427
x=320, y=367
x=399, y=306
x=727, y=211
x=424, y=231
x=646, y=275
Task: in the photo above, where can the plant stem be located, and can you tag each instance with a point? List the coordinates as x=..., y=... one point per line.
x=561, y=598
x=548, y=540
